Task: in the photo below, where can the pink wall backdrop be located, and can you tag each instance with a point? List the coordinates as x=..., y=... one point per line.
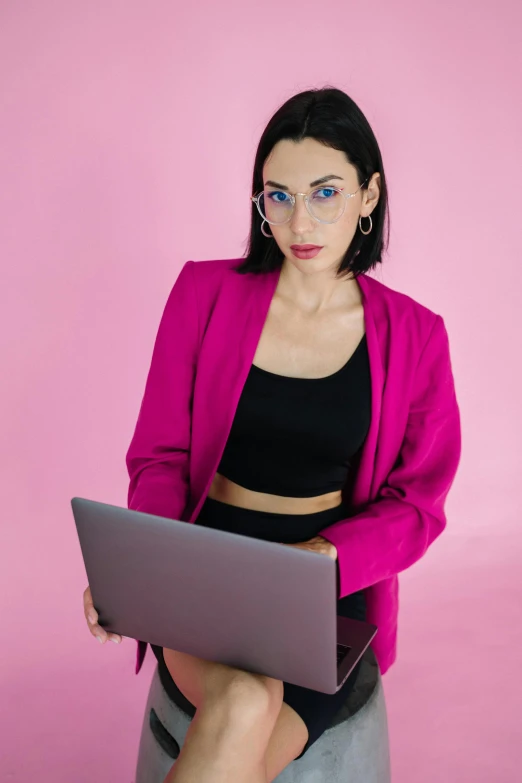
x=112, y=116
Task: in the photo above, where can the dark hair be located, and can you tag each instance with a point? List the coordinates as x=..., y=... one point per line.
x=331, y=117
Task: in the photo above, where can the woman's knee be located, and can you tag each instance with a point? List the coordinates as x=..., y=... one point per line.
x=236, y=692
x=242, y=694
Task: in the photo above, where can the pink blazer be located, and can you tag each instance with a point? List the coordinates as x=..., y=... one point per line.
x=205, y=344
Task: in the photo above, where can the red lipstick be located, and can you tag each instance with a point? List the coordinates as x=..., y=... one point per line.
x=305, y=251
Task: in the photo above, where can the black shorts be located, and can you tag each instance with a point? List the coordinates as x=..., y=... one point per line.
x=315, y=708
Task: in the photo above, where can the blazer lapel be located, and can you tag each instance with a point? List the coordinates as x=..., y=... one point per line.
x=365, y=482
x=224, y=363
x=225, y=359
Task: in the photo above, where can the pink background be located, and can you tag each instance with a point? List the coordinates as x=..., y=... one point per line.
x=114, y=117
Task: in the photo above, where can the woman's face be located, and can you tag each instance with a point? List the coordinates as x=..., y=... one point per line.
x=296, y=166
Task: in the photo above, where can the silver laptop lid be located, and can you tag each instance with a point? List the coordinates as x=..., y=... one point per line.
x=238, y=600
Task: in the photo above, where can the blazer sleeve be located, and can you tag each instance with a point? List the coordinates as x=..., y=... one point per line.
x=394, y=531
x=158, y=456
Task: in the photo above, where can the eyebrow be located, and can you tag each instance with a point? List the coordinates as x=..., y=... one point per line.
x=312, y=184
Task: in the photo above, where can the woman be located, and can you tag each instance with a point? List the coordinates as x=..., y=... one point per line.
x=292, y=397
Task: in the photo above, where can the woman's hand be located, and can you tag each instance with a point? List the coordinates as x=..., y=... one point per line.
x=91, y=615
x=318, y=544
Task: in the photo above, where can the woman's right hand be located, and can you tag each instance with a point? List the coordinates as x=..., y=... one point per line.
x=91, y=615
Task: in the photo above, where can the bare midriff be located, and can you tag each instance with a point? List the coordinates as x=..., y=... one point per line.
x=227, y=491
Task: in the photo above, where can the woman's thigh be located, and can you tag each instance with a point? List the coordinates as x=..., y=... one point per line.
x=289, y=733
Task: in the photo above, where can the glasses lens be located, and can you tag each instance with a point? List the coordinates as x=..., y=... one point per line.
x=326, y=204
x=275, y=206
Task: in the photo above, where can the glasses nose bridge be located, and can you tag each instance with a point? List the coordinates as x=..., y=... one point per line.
x=306, y=203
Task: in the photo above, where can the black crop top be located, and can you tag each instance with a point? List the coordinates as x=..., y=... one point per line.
x=295, y=436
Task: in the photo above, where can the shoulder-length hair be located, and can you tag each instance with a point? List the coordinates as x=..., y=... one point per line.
x=331, y=117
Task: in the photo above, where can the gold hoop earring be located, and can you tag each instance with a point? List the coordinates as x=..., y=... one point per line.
x=268, y=236
x=371, y=224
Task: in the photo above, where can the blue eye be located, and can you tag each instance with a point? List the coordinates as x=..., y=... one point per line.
x=273, y=196
x=329, y=193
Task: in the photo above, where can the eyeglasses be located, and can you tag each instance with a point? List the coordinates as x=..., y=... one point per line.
x=325, y=204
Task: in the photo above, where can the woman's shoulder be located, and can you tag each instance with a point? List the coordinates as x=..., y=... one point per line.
x=212, y=278
x=208, y=270
x=398, y=305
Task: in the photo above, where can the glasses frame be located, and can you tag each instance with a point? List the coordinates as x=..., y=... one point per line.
x=256, y=198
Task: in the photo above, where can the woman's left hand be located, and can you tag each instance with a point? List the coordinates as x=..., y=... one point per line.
x=318, y=544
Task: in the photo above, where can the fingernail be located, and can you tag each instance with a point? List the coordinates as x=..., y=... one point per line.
x=116, y=641
x=92, y=618
x=100, y=639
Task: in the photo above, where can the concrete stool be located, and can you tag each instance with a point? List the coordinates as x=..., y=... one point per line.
x=354, y=749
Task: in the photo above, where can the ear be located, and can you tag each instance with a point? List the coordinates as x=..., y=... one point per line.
x=371, y=194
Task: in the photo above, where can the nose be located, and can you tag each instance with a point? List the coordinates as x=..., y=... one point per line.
x=301, y=221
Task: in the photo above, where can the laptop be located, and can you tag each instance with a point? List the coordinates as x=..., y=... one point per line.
x=225, y=597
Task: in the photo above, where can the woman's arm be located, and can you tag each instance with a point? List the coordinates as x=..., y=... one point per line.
x=157, y=458
x=395, y=529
